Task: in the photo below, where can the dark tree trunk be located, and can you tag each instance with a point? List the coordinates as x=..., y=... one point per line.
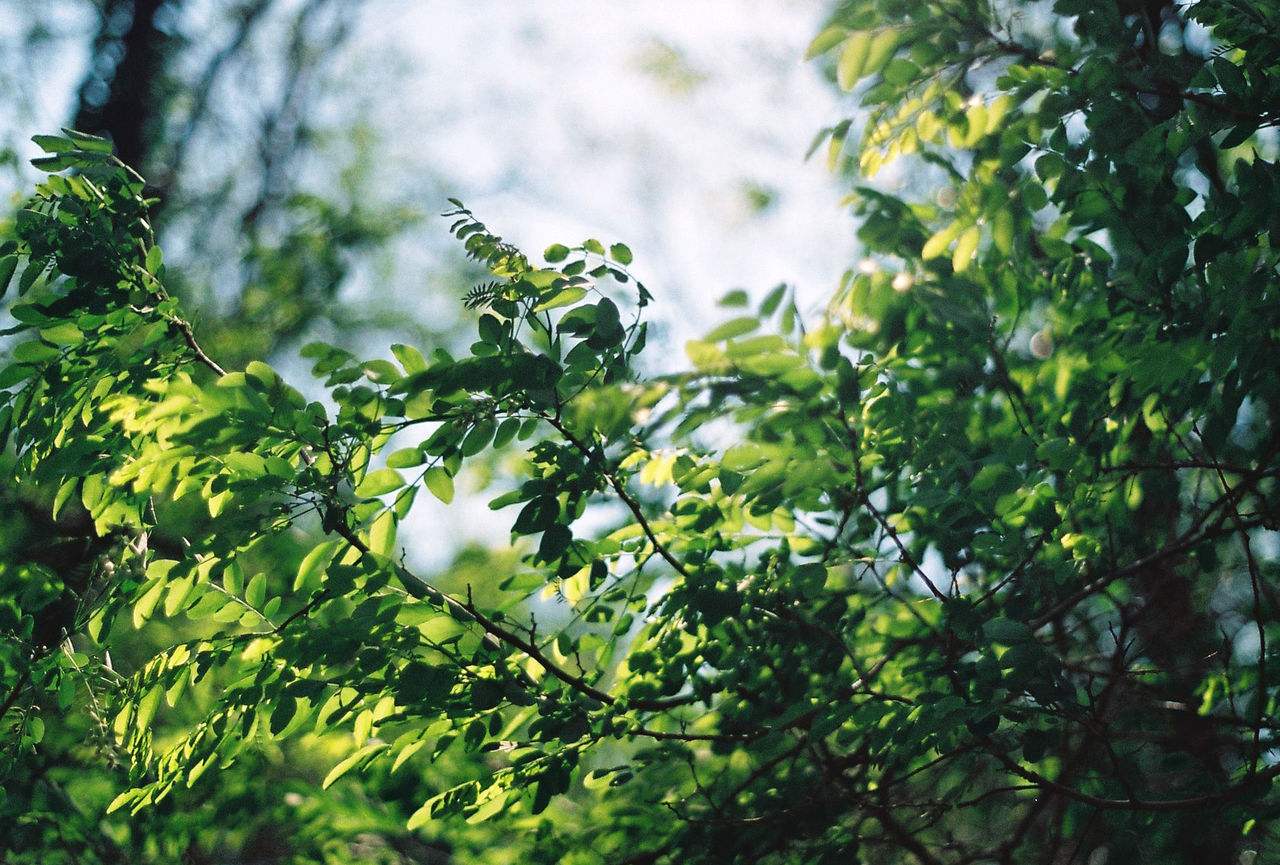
x=121, y=95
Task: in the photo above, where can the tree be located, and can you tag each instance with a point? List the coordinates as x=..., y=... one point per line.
x=272, y=218
x=973, y=566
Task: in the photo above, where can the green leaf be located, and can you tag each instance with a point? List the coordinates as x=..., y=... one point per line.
x=382, y=534
x=1057, y=452
x=536, y=516
x=541, y=279
x=406, y=458
x=35, y=729
x=8, y=264
x=410, y=358
x=424, y=686
x=478, y=438
x=1231, y=77
x=440, y=483
x=938, y=243
x=555, y=541
x=1239, y=135
x=381, y=371
x=62, y=334
x=1002, y=228
x=485, y=694
x=86, y=141
x=313, y=565
x=773, y=300
x=282, y=714
x=233, y=578
x=829, y=38
x=31, y=273
x=620, y=253
x=732, y=328
x=491, y=330
x=256, y=592
x=35, y=352
x=563, y=297
x=53, y=164
x=995, y=476
x=350, y=763
x=556, y=252
x=608, y=320
x=54, y=143
x=966, y=246
x=506, y=432
x=899, y=71
x=379, y=483
x=852, y=59
x=1008, y=631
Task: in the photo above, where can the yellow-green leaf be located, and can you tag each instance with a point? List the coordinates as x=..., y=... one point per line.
x=1002, y=231
x=936, y=245
x=852, y=59
x=563, y=297
x=65, y=491
x=881, y=49
x=966, y=246
x=405, y=458
x=146, y=604
x=976, y=118
x=256, y=592
x=410, y=358
x=179, y=591
x=379, y=483
x=350, y=762
x=382, y=534
x=123, y=799
x=407, y=752
x=312, y=565
x=261, y=371
x=829, y=38
x=440, y=483
x=835, y=148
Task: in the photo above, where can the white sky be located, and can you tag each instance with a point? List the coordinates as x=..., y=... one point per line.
x=544, y=119
x=548, y=121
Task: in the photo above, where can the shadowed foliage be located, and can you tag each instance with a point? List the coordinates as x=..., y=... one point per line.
x=975, y=564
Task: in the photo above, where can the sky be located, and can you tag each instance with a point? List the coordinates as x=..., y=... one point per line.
x=664, y=125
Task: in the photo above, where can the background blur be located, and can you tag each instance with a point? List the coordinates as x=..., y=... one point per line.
x=302, y=150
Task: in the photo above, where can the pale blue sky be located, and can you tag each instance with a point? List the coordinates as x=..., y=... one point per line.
x=648, y=123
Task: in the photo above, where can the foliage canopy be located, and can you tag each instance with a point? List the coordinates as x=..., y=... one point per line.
x=978, y=564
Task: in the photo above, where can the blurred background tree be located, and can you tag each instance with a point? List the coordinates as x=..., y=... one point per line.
x=250, y=133
x=261, y=170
